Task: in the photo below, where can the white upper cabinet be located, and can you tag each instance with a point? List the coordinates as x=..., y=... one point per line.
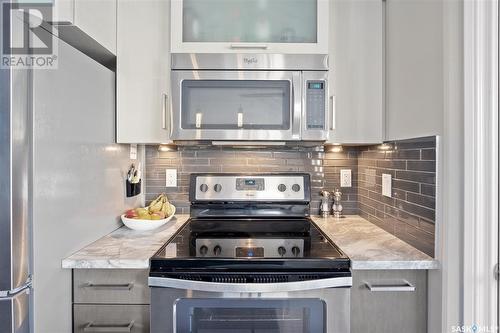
x=356, y=71
x=143, y=72
x=63, y=11
x=97, y=18
x=250, y=26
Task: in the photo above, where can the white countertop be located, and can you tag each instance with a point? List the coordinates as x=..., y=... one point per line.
x=371, y=247
x=125, y=248
x=368, y=246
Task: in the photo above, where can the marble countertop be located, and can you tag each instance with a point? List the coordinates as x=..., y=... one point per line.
x=370, y=247
x=125, y=248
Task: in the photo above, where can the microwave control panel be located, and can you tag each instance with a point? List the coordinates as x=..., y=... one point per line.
x=315, y=104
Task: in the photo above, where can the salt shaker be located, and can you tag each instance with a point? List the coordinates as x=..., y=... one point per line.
x=337, y=206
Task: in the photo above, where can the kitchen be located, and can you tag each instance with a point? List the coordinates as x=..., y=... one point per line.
x=249, y=166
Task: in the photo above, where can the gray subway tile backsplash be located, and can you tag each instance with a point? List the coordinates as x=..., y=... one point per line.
x=409, y=214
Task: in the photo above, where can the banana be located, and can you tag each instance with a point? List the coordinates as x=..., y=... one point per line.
x=156, y=205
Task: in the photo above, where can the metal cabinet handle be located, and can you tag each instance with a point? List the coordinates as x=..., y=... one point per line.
x=249, y=46
x=333, y=113
x=164, y=111
x=125, y=286
x=91, y=327
x=403, y=286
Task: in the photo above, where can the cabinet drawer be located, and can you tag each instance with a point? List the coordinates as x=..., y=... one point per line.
x=108, y=286
x=389, y=301
x=111, y=318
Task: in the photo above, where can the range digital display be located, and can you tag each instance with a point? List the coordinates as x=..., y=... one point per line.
x=249, y=181
x=249, y=252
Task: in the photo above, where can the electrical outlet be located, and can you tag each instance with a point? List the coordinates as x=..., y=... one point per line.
x=387, y=185
x=171, y=177
x=133, y=151
x=345, y=178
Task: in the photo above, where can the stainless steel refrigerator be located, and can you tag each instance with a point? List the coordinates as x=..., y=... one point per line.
x=15, y=191
x=15, y=203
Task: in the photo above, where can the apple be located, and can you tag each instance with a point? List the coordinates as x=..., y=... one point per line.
x=131, y=213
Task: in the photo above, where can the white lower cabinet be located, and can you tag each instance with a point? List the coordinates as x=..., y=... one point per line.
x=356, y=71
x=110, y=300
x=389, y=301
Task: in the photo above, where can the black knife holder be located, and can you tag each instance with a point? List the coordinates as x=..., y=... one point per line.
x=133, y=189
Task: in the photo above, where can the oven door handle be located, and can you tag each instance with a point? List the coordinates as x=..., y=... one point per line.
x=337, y=282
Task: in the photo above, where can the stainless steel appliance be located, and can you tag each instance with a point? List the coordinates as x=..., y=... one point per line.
x=15, y=191
x=252, y=97
x=250, y=259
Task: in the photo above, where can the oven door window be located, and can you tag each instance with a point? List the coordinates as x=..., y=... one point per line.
x=236, y=104
x=219, y=315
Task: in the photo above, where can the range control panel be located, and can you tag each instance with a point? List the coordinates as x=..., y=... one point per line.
x=250, y=248
x=251, y=187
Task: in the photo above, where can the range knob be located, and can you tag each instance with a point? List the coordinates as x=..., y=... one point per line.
x=281, y=251
x=295, y=251
x=203, y=187
x=217, y=187
x=203, y=250
x=217, y=250
x=295, y=187
x=282, y=187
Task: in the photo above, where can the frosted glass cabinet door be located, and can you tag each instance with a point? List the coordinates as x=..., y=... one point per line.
x=215, y=26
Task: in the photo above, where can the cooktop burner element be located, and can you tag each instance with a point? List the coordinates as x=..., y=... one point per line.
x=249, y=226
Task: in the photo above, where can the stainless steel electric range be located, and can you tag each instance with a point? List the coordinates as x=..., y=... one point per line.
x=250, y=259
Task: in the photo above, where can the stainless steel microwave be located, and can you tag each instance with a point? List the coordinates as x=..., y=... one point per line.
x=249, y=105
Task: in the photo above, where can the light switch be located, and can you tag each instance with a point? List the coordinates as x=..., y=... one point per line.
x=345, y=178
x=387, y=185
x=171, y=177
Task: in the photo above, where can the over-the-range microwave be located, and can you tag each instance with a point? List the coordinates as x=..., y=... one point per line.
x=252, y=97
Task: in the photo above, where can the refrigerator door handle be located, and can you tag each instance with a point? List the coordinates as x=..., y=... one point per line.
x=18, y=290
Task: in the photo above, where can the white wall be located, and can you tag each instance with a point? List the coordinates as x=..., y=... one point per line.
x=79, y=172
x=414, y=68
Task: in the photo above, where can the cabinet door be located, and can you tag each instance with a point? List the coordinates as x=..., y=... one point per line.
x=111, y=318
x=356, y=71
x=63, y=11
x=97, y=18
x=143, y=71
x=263, y=26
x=383, y=301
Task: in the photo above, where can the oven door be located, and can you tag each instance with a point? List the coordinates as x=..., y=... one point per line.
x=256, y=308
x=236, y=105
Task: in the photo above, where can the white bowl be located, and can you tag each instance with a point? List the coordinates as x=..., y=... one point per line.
x=144, y=225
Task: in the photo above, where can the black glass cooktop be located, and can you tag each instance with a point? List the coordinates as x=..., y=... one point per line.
x=183, y=252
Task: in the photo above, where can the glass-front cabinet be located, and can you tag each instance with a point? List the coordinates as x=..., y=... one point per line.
x=250, y=26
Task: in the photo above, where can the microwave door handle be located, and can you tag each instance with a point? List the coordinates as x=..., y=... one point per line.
x=296, y=105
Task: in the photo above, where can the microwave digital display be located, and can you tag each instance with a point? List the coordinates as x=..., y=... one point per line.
x=315, y=85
